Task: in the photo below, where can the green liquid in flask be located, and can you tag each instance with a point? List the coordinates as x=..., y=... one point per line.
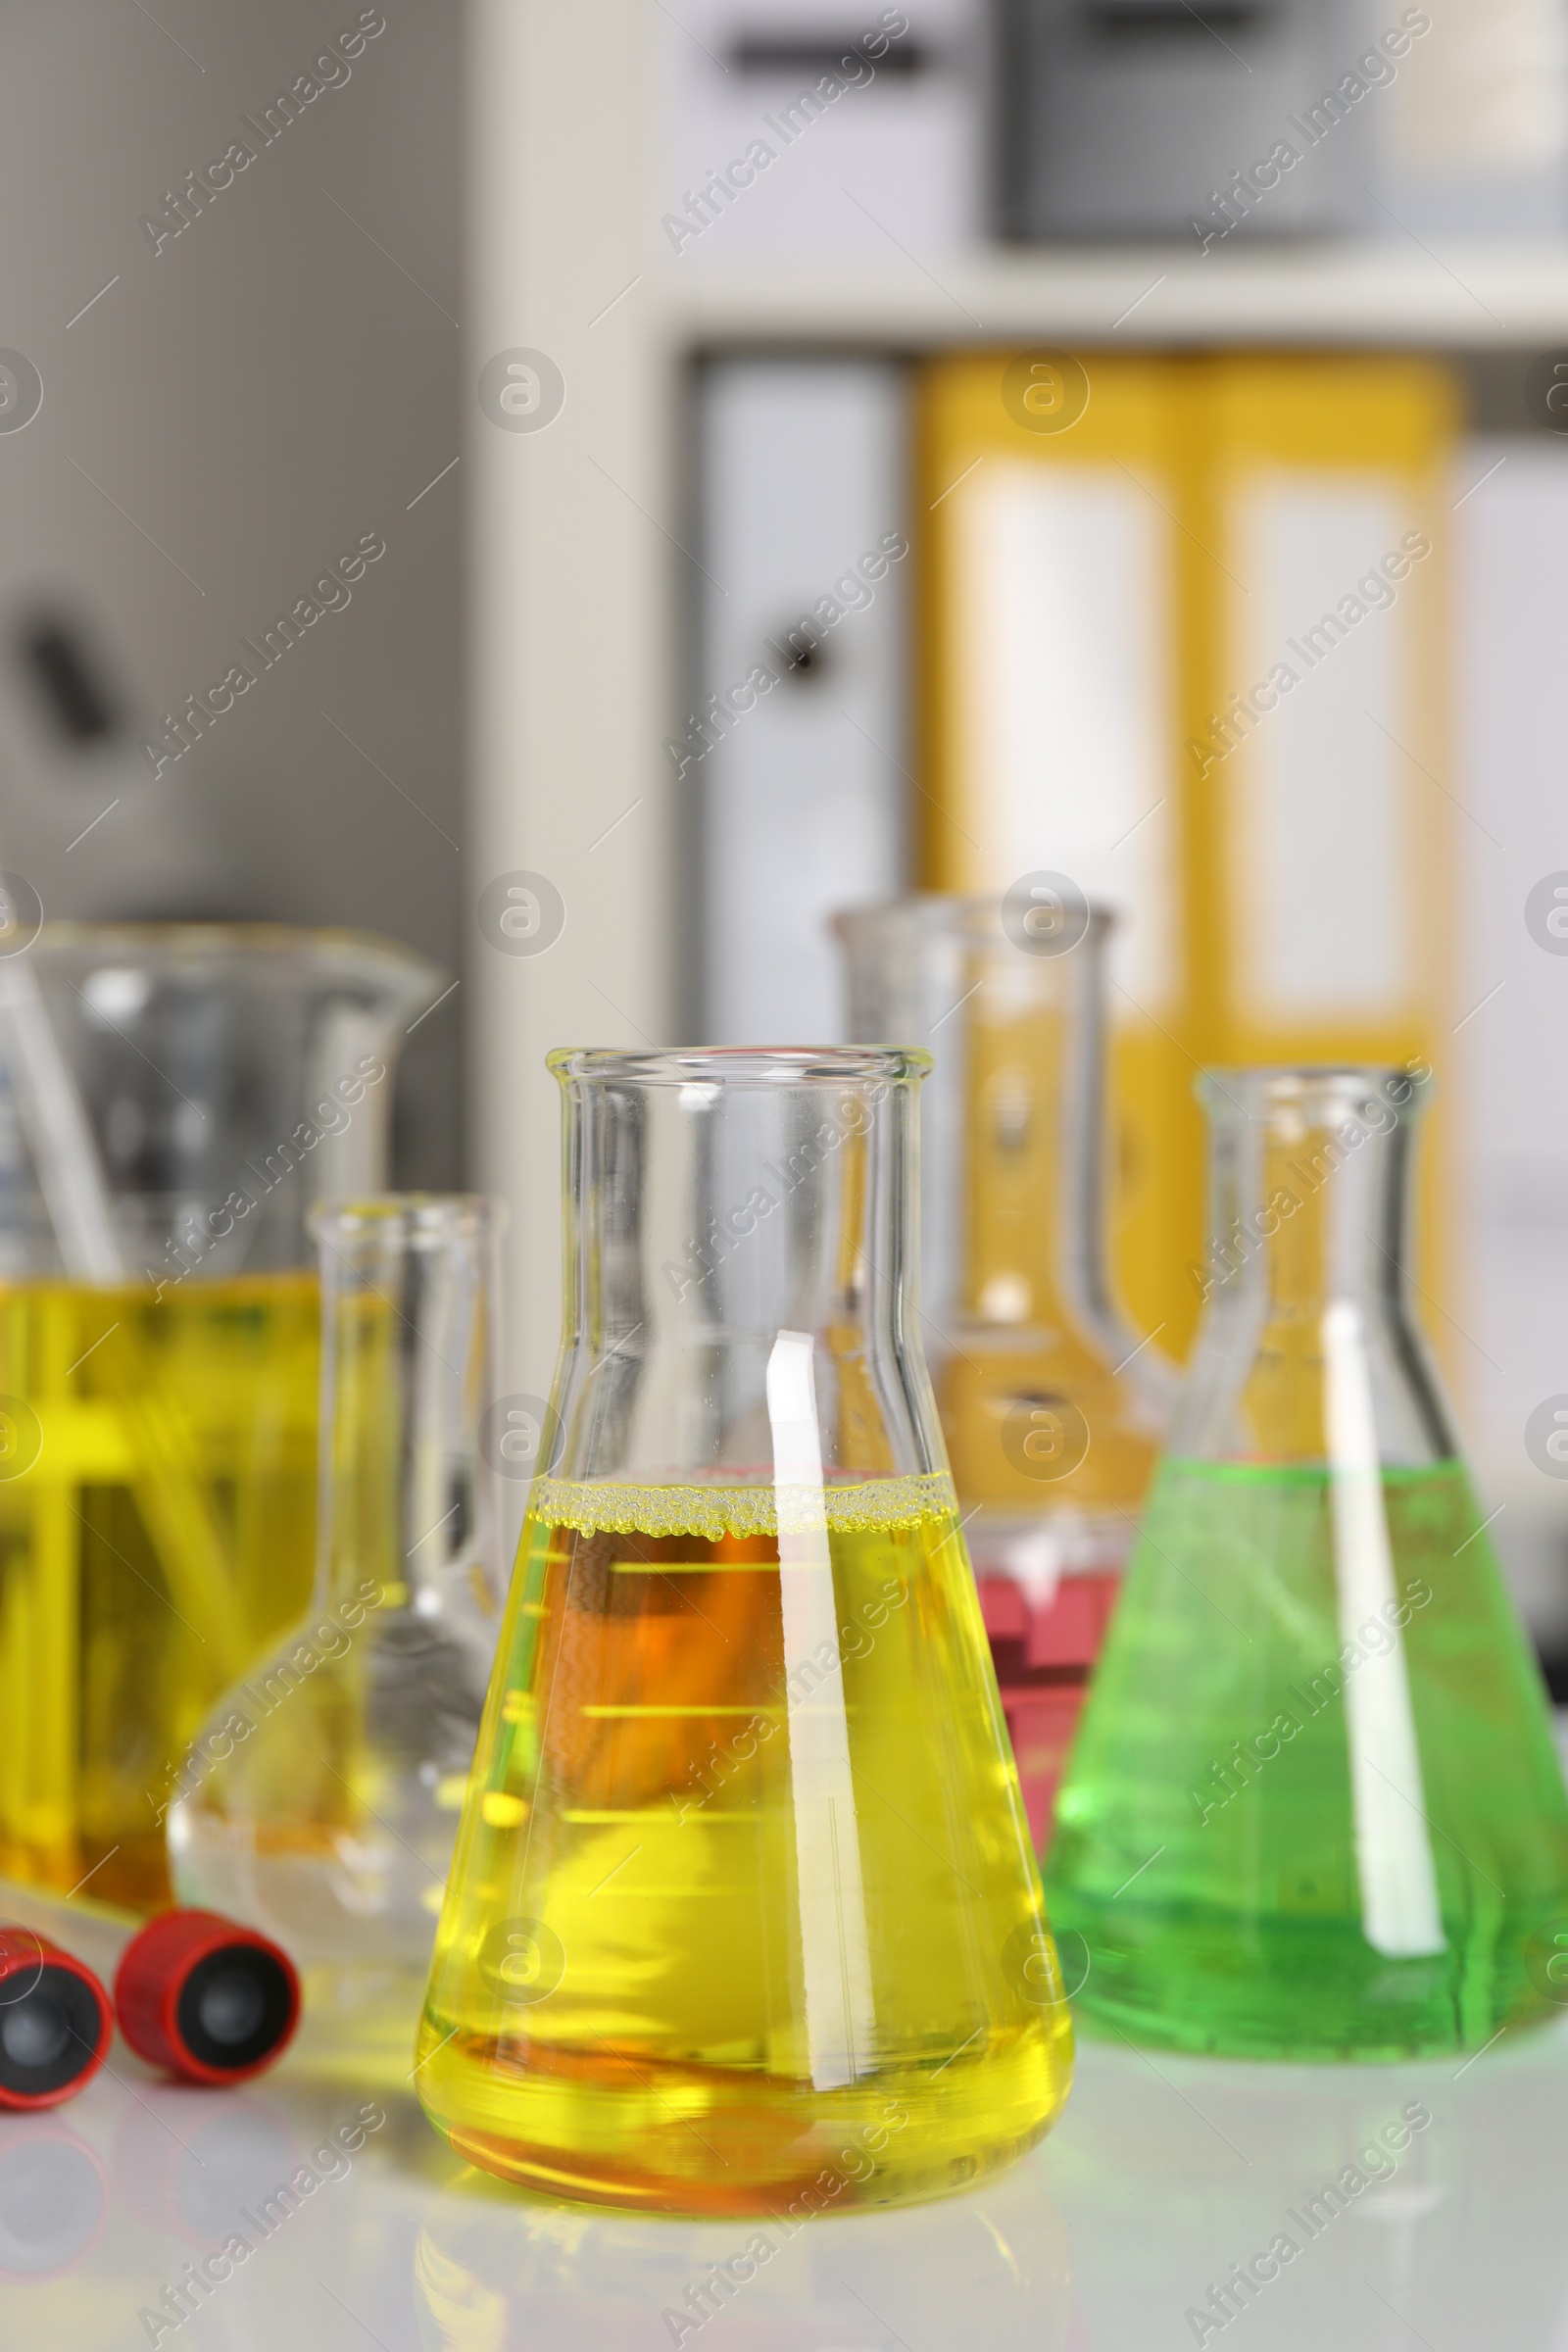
x=1211, y=1850
x=744, y=1917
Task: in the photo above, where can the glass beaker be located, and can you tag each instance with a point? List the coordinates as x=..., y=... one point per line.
x=744, y=1913
x=157, y=1430
x=1314, y=1808
x=1051, y=1408
x=322, y=1795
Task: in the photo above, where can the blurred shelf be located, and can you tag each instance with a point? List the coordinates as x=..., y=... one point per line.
x=1459, y=295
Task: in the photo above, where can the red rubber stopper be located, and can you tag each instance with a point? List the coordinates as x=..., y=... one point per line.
x=56, y=2024
x=209, y=2000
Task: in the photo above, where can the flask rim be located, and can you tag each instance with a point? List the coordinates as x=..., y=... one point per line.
x=1255, y=1089
x=444, y=1216
x=975, y=914
x=731, y=1066
x=260, y=952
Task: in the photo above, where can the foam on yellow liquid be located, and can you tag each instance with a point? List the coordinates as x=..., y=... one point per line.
x=157, y=1533
x=744, y=1916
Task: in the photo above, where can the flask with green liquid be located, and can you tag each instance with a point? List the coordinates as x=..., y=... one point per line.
x=1314, y=1808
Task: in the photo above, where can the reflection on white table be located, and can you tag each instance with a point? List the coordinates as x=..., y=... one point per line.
x=1164, y=2176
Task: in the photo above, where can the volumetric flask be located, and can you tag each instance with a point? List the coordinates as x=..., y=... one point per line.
x=1051, y=1411
x=321, y=1801
x=744, y=1916
x=1313, y=1809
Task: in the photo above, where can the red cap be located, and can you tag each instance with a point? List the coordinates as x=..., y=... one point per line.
x=56, y=2024
x=211, y=2000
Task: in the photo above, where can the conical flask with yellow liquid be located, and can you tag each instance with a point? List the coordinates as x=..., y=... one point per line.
x=743, y=1916
x=1313, y=1809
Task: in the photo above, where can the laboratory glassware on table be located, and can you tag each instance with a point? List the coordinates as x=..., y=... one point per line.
x=325, y=1787
x=744, y=1914
x=1313, y=1809
x=1052, y=1409
x=172, y=1098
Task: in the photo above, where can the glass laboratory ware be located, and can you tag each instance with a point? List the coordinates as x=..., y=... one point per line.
x=1050, y=1410
x=1314, y=1808
x=323, y=1796
x=158, y=1419
x=744, y=1916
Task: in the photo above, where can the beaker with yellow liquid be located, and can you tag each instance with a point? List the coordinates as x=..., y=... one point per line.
x=743, y=1916
x=1052, y=1406
x=157, y=1429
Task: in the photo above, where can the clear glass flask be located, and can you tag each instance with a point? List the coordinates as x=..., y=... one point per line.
x=1051, y=1410
x=321, y=1798
x=157, y=1409
x=744, y=1915
x=1313, y=1809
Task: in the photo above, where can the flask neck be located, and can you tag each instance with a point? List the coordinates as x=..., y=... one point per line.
x=1305, y=1280
x=408, y=1329
x=1033, y=1242
x=716, y=1202
x=1013, y=1118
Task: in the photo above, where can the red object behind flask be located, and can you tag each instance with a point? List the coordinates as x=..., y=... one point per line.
x=211, y=2000
x=1044, y=1653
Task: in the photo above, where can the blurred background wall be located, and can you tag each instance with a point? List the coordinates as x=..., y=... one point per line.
x=240, y=387
x=797, y=268
x=632, y=332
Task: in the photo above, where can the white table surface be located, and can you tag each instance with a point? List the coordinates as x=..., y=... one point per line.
x=1162, y=2173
